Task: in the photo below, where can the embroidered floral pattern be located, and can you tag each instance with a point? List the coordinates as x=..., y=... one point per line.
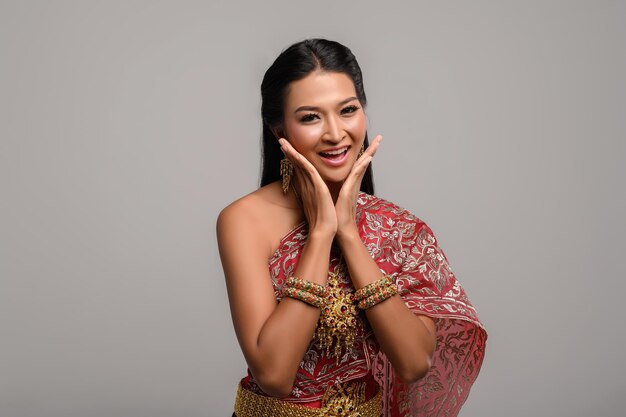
x=404, y=248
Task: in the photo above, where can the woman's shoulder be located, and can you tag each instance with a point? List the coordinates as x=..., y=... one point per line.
x=374, y=205
x=383, y=216
x=240, y=209
x=261, y=213
x=248, y=207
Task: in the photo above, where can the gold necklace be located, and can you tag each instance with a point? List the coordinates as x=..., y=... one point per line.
x=338, y=321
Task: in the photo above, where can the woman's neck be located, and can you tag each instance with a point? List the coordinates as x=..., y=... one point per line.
x=334, y=189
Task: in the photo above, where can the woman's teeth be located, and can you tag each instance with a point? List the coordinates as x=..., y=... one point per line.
x=334, y=154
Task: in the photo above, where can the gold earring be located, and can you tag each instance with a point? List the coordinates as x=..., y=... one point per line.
x=286, y=171
x=361, y=151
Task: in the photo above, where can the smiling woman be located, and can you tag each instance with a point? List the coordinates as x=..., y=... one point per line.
x=343, y=303
x=325, y=123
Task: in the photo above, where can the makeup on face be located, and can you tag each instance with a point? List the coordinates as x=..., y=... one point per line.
x=325, y=122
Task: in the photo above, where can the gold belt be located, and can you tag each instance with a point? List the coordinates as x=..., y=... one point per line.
x=347, y=400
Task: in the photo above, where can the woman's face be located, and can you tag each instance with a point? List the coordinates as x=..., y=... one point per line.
x=325, y=122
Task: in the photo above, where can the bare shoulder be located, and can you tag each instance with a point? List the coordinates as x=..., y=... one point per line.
x=253, y=208
x=239, y=210
x=263, y=216
x=243, y=213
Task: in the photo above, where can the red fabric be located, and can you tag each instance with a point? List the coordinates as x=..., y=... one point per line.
x=405, y=248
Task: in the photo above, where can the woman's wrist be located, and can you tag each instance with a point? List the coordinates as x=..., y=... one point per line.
x=321, y=235
x=348, y=234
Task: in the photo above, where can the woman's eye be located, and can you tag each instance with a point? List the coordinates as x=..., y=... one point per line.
x=349, y=109
x=308, y=117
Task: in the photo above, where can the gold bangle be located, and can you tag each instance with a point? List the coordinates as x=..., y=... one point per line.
x=305, y=296
x=373, y=287
x=378, y=297
x=305, y=285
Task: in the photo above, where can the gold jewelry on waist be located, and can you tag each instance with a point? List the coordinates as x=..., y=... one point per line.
x=341, y=400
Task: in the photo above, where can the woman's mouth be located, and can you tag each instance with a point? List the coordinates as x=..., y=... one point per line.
x=335, y=157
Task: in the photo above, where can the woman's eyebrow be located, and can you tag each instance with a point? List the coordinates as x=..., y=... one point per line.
x=310, y=108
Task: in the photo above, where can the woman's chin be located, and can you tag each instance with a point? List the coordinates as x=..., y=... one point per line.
x=334, y=179
x=335, y=175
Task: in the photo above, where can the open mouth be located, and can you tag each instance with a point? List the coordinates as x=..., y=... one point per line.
x=335, y=158
x=336, y=154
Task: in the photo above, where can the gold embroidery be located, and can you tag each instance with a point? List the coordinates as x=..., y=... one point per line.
x=343, y=401
x=340, y=400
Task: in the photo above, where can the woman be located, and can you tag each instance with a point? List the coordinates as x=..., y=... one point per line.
x=343, y=304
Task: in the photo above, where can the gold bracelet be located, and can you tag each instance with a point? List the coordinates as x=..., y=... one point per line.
x=373, y=287
x=305, y=285
x=378, y=297
x=305, y=296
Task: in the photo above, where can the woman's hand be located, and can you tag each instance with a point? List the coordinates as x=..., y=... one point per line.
x=317, y=203
x=345, y=207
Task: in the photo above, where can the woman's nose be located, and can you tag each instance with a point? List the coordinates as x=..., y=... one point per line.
x=333, y=130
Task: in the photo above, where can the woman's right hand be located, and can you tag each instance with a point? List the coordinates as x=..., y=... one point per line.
x=317, y=203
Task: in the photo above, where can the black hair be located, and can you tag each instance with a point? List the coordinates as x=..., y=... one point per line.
x=295, y=63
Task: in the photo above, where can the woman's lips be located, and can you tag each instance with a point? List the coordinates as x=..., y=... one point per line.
x=335, y=160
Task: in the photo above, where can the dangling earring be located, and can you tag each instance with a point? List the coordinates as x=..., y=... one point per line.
x=361, y=151
x=286, y=171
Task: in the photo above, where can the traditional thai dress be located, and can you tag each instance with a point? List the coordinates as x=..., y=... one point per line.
x=405, y=249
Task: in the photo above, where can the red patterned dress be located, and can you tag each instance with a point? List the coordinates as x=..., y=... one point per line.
x=404, y=248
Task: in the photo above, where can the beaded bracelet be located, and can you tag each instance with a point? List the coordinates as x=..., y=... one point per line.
x=305, y=285
x=378, y=297
x=373, y=287
x=306, y=296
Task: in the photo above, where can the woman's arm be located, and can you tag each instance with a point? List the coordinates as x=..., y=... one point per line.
x=407, y=339
x=273, y=336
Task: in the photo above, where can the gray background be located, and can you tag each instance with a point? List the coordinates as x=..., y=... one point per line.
x=127, y=125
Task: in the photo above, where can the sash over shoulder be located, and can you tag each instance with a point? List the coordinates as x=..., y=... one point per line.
x=406, y=248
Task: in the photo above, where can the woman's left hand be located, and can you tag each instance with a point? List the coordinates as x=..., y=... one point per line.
x=345, y=207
